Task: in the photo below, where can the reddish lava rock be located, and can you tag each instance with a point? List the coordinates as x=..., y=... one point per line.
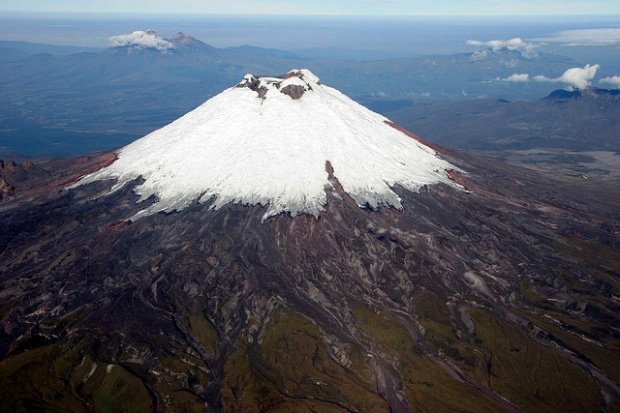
x=413, y=135
x=88, y=164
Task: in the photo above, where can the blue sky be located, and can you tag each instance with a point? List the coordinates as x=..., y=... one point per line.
x=329, y=7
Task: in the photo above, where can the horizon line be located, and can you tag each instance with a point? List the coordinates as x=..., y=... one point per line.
x=372, y=16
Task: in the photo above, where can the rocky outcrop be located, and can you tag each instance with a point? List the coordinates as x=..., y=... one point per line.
x=6, y=190
x=261, y=85
x=7, y=168
x=294, y=91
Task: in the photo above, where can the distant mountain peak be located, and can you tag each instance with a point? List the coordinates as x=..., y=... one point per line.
x=281, y=142
x=515, y=46
x=140, y=39
x=502, y=55
x=182, y=40
x=590, y=92
x=150, y=40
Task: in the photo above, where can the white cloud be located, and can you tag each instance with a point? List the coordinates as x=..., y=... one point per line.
x=585, y=37
x=516, y=78
x=527, y=49
x=147, y=40
x=613, y=81
x=576, y=77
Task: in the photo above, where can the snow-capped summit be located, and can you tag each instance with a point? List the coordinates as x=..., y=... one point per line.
x=143, y=40
x=516, y=47
x=268, y=141
x=294, y=84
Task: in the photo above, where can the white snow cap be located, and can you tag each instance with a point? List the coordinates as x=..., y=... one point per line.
x=267, y=141
x=142, y=39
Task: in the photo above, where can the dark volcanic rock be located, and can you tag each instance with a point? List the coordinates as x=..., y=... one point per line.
x=6, y=190
x=294, y=91
x=13, y=173
x=500, y=298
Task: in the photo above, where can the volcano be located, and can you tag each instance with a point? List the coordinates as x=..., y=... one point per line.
x=270, y=141
x=283, y=249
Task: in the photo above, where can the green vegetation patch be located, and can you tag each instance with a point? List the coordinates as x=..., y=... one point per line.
x=203, y=331
x=118, y=390
x=293, y=372
x=429, y=388
x=606, y=358
x=528, y=373
x=434, y=315
x=58, y=378
x=28, y=383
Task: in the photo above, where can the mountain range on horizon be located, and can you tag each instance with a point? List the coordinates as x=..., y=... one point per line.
x=51, y=97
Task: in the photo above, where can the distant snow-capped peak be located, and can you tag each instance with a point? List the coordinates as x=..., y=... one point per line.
x=268, y=141
x=516, y=47
x=142, y=39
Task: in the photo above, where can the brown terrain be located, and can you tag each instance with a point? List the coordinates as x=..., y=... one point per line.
x=504, y=297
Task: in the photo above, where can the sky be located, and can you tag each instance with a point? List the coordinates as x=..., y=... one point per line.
x=323, y=7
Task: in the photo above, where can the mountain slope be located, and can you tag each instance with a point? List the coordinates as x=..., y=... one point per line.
x=500, y=297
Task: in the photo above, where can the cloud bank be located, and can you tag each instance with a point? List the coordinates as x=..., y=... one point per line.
x=576, y=77
x=573, y=78
x=612, y=81
x=516, y=78
x=585, y=37
x=146, y=40
x=527, y=49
